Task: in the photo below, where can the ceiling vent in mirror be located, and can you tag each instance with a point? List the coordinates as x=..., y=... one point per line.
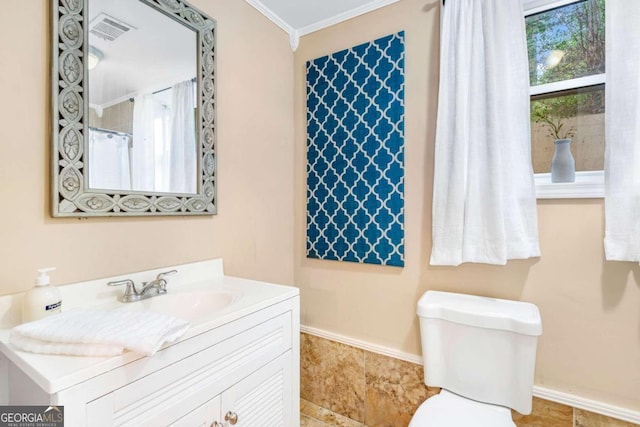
x=108, y=28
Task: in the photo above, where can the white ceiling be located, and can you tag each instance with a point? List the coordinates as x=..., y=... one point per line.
x=300, y=17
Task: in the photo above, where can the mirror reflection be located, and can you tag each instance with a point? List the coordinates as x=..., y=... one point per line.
x=142, y=115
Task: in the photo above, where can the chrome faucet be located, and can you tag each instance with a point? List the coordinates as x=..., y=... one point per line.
x=157, y=286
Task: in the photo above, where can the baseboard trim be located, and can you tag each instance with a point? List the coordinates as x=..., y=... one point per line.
x=587, y=404
x=540, y=392
x=363, y=345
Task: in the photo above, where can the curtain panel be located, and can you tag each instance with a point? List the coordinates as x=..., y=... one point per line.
x=484, y=205
x=622, y=131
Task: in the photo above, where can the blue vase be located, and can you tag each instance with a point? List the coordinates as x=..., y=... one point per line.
x=563, y=166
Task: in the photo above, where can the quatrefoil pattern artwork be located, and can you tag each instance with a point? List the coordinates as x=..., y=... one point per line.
x=355, y=154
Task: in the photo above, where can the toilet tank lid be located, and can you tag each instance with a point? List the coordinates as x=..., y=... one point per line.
x=482, y=312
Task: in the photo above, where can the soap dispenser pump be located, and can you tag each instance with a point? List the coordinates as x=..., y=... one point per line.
x=42, y=300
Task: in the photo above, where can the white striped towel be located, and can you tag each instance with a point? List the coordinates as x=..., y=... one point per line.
x=87, y=332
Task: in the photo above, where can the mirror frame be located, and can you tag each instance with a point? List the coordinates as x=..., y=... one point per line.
x=71, y=196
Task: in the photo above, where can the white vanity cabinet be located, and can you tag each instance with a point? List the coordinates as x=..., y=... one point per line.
x=243, y=363
x=248, y=371
x=261, y=399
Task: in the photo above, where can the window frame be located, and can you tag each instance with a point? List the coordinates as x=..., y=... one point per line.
x=588, y=184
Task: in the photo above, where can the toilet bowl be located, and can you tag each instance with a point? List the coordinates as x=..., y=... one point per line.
x=481, y=352
x=450, y=410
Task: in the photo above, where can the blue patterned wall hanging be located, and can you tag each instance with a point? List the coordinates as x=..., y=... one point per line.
x=355, y=154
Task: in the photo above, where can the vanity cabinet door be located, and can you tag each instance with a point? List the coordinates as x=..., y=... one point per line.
x=203, y=416
x=264, y=398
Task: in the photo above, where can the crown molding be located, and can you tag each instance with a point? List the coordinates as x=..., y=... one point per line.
x=296, y=33
x=269, y=14
x=344, y=16
x=294, y=38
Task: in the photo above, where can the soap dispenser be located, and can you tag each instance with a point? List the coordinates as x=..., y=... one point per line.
x=42, y=300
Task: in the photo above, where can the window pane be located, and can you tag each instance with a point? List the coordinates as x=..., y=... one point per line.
x=576, y=114
x=566, y=42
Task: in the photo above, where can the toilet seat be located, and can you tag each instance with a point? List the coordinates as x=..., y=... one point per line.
x=450, y=410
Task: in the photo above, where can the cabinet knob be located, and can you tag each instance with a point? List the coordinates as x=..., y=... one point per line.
x=216, y=424
x=232, y=417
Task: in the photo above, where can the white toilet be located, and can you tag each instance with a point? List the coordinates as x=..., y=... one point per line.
x=481, y=352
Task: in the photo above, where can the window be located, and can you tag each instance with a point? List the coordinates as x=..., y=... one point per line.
x=566, y=48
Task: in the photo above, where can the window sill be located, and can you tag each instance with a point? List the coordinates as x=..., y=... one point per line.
x=588, y=184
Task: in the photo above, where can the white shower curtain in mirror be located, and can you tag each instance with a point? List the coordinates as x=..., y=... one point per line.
x=109, y=161
x=183, y=149
x=484, y=205
x=622, y=131
x=144, y=153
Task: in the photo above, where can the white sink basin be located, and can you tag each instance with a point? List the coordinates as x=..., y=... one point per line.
x=192, y=305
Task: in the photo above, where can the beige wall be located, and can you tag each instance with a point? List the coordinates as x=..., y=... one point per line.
x=590, y=308
x=252, y=231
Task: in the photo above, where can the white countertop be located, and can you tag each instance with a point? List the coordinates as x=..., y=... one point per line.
x=54, y=372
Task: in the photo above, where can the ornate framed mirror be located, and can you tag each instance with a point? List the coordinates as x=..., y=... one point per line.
x=133, y=102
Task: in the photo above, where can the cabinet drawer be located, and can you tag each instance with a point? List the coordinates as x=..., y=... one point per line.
x=192, y=381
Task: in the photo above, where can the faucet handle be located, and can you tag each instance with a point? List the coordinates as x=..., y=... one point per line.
x=130, y=293
x=166, y=273
x=121, y=282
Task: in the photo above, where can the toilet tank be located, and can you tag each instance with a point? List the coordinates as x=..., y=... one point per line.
x=480, y=348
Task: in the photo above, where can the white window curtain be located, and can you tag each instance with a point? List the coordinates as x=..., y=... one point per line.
x=109, y=161
x=143, y=153
x=183, y=148
x=484, y=206
x=622, y=131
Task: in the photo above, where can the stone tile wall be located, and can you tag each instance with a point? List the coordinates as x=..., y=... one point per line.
x=346, y=386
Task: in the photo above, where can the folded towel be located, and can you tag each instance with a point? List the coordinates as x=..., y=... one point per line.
x=33, y=345
x=86, y=332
